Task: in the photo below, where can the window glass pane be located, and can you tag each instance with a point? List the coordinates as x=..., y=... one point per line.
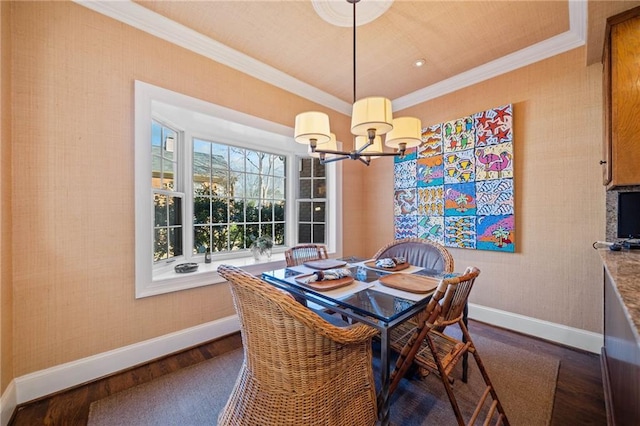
x=304, y=213
x=251, y=211
x=220, y=183
x=278, y=166
x=169, y=143
x=156, y=173
x=304, y=186
x=237, y=233
x=201, y=214
x=160, y=249
x=200, y=239
x=279, y=233
x=175, y=211
x=266, y=212
x=318, y=233
x=267, y=230
x=219, y=155
x=236, y=159
x=267, y=187
x=318, y=212
x=253, y=161
x=160, y=208
x=156, y=137
x=237, y=185
x=304, y=233
x=219, y=238
x=219, y=210
x=319, y=188
x=318, y=169
x=167, y=175
x=278, y=211
x=253, y=186
x=175, y=242
x=253, y=232
x=305, y=167
x=236, y=210
x=279, y=188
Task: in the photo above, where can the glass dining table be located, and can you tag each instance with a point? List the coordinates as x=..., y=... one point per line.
x=367, y=301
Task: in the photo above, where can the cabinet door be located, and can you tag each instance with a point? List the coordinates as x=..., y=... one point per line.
x=625, y=102
x=606, y=88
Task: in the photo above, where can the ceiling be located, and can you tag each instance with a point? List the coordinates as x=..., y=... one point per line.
x=288, y=44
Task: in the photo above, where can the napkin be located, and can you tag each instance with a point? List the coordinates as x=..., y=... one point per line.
x=390, y=262
x=328, y=274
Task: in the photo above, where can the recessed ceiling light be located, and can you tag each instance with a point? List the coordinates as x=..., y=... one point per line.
x=419, y=63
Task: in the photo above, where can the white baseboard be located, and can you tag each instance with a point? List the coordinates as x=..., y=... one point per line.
x=45, y=382
x=569, y=336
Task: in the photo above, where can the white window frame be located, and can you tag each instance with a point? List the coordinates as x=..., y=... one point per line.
x=193, y=117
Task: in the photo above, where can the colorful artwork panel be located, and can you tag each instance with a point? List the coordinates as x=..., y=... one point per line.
x=494, y=197
x=458, y=135
x=431, y=142
x=431, y=201
x=496, y=233
x=494, y=162
x=405, y=174
x=457, y=187
x=494, y=126
x=459, y=167
x=406, y=227
x=431, y=228
x=430, y=171
x=460, y=199
x=460, y=231
x=405, y=202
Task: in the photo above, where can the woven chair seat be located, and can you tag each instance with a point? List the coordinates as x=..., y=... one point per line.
x=299, y=369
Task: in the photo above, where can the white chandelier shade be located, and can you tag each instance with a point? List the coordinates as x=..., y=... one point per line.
x=407, y=130
x=372, y=113
x=312, y=127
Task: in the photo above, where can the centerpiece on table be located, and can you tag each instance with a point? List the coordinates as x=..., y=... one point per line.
x=261, y=246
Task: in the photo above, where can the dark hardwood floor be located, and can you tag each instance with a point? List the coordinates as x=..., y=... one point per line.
x=579, y=398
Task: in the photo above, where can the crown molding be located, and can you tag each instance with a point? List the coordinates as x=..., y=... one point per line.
x=155, y=24
x=569, y=40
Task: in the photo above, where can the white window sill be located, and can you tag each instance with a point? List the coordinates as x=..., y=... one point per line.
x=207, y=274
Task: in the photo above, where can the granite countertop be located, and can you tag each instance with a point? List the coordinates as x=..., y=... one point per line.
x=624, y=268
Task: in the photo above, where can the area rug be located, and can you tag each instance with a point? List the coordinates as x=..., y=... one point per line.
x=525, y=382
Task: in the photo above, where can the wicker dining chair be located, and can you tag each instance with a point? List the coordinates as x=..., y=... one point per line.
x=419, y=252
x=440, y=353
x=298, y=368
x=299, y=254
x=426, y=254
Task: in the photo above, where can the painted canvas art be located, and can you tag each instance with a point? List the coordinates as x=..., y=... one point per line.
x=456, y=188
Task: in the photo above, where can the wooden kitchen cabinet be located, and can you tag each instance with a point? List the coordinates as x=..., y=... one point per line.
x=621, y=162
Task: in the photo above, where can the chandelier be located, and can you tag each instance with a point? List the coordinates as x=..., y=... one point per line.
x=371, y=118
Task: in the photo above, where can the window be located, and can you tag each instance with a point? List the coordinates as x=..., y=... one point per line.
x=207, y=177
x=239, y=195
x=312, y=202
x=167, y=201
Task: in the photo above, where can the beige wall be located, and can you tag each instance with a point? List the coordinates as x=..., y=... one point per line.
x=6, y=310
x=72, y=224
x=560, y=202
x=73, y=190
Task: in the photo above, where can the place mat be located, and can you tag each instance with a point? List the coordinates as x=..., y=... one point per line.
x=324, y=285
x=372, y=264
x=325, y=263
x=410, y=282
